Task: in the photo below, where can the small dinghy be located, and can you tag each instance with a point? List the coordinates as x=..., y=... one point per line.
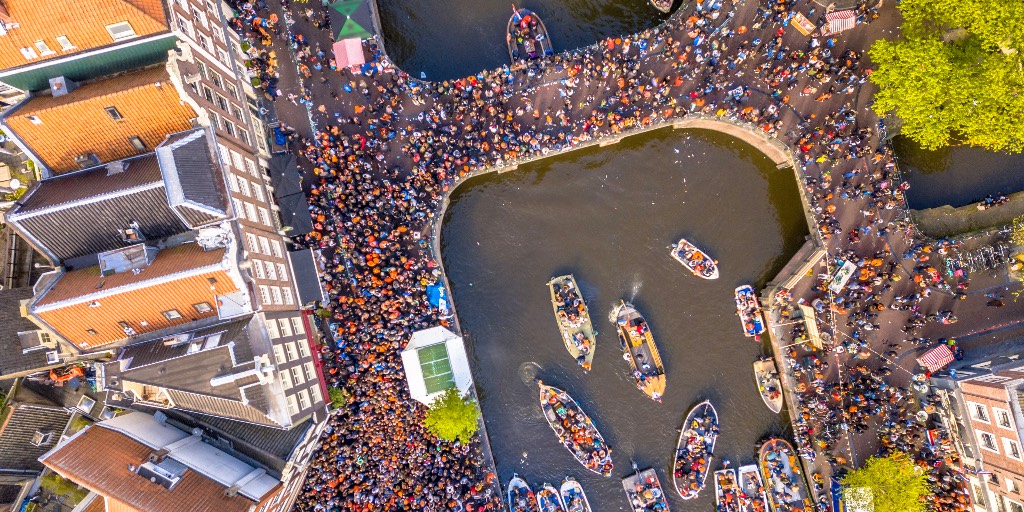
x=573, y=497
x=695, y=260
x=786, y=488
x=768, y=384
x=573, y=319
x=662, y=5
x=520, y=497
x=548, y=499
x=639, y=350
x=694, y=451
x=752, y=497
x=749, y=311
x=644, y=491
x=527, y=37
x=575, y=430
x=726, y=495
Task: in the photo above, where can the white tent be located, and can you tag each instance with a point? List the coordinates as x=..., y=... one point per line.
x=434, y=361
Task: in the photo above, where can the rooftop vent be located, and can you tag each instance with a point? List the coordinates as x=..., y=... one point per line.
x=60, y=86
x=87, y=160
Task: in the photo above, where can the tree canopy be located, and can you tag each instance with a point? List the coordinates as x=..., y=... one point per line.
x=452, y=417
x=957, y=76
x=892, y=483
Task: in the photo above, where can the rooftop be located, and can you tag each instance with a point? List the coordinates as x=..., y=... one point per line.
x=20, y=349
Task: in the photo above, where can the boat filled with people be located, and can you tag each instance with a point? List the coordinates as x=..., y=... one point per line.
x=695, y=260
x=749, y=310
x=527, y=37
x=752, y=496
x=726, y=494
x=520, y=497
x=694, y=451
x=662, y=5
x=575, y=430
x=644, y=491
x=573, y=319
x=573, y=497
x=548, y=499
x=785, y=484
x=768, y=384
x=639, y=350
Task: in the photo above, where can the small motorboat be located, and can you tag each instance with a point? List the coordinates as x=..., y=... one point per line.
x=548, y=499
x=768, y=384
x=573, y=319
x=695, y=260
x=520, y=497
x=662, y=5
x=752, y=497
x=573, y=497
x=786, y=488
x=581, y=438
x=644, y=491
x=527, y=37
x=749, y=310
x=726, y=494
x=694, y=451
x=639, y=350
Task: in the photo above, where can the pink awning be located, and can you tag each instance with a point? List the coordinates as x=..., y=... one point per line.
x=839, y=21
x=936, y=358
x=348, y=52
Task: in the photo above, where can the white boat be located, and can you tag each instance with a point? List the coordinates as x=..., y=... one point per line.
x=662, y=5
x=749, y=310
x=573, y=319
x=558, y=407
x=644, y=491
x=696, y=441
x=752, y=494
x=768, y=384
x=726, y=495
x=520, y=497
x=573, y=497
x=695, y=260
x=784, y=482
x=548, y=499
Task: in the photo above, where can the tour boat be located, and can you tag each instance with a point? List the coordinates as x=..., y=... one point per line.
x=784, y=482
x=752, y=497
x=548, y=499
x=582, y=438
x=662, y=5
x=749, y=310
x=520, y=497
x=573, y=497
x=573, y=319
x=639, y=349
x=726, y=495
x=644, y=491
x=696, y=443
x=527, y=37
x=695, y=260
x=768, y=384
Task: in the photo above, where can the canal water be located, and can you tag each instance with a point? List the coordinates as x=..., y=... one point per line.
x=957, y=175
x=608, y=215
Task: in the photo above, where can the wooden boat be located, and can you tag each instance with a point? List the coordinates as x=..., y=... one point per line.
x=527, y=37
x=749, y=310
x=639, y=349
x=573, y=319
x=520, y=497
x=785, y=485
x=588, y=446
x=548, y=499
x=768, y=384
x=726, y=493
x=695, y=260
x=696, y=442
x=662, y=5
x=752, y=497
x=644, y=491
x=573, y=497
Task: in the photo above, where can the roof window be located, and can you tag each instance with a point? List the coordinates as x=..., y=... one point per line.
x=41, y=438
x=114, y=113
x=65, y=43
x=43, y=49
x=121, y=31
x=28, y=53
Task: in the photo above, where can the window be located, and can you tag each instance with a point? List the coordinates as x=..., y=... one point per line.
x=257, y=267
x=257, y=190
x=114, y=113
x=979, y=496
x=275, y=291
x=277, y=249
x=199, y=16
x=240, y=211
x=243, y=134
x=297, y=375
x=309, y=370
x=279, y=355
x=286, y=378
x=204, y=42
x=186, y=27
x=264, y=216
x=91, y=331
x=1015, y=507
x=217, y=80
x=65, y=43
x=286, y=327
x=251, y=167
x=28, y=53
x=250, y=240
x=988, y=442
x=214, y=120
x=202, y=68
x=202, y=307
x=222, y=102
x=207, y=93
x=41, y=438
x=289, y=349
x=232, y=91
x=264, y=294
x=121, y=31
x=1012, y=449
x=293, y=406
x=1003, y=418
x=229, y=127
x=287, y=292
x=282, y=272
x=318, y=396
x=265, y=245
x=172, y=314
x=223, y=57
x=272, y=329
x=978, y=412
x=304, y=399
x=243, y=186
x=43, y=49
x=233, y=183
x=137, y=143
x=238, y=113
x=1011, y=485
x=236, y=160
x=271, y=270
x=302, y=344
x=250, y=212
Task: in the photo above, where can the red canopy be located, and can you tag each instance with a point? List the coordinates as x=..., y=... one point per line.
x=839, y=21
x=936, y=358
x=349, y=52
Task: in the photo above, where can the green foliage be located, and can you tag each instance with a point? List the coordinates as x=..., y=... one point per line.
x=895, y=484
x=452, y=417
x=323, y=313
x=958, y=75
x=339, y=397
x=57, y=484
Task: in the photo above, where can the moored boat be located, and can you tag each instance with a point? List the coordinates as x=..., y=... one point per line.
x=662, y=5
x=639, y=350
x=749, y=310
x=575, y=430
x=548, y=499
x=695, y=260
x=520, y=497
x=694, y=450
x=644, y=491
x=726, y=495
x=527, y=37
x=752, y=496
x=573, y=319
x=768, y=384
x=573, y=497
x=784, y=482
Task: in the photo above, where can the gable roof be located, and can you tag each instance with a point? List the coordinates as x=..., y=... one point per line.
x=13, y=359
x=195, y=181
x=17, y=452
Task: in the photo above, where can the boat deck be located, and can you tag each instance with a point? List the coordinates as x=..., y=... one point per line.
x=644, y=491
x=644, y=357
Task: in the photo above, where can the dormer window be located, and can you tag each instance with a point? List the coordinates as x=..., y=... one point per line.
x=121, y=31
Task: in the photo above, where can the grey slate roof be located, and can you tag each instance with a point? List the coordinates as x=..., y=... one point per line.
x=195, y=181
x=12, y=358
x=17, y=453
x=307, y=276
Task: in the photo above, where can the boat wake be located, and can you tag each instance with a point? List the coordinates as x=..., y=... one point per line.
x=528, y=372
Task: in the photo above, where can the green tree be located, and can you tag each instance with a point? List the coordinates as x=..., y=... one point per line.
x=958, y=75
x=893, y=484
x=339, y=397
x=452, y=417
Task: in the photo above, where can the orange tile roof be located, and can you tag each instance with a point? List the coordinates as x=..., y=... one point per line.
x=83, y=22
x=98, y=460
x=77, y=123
